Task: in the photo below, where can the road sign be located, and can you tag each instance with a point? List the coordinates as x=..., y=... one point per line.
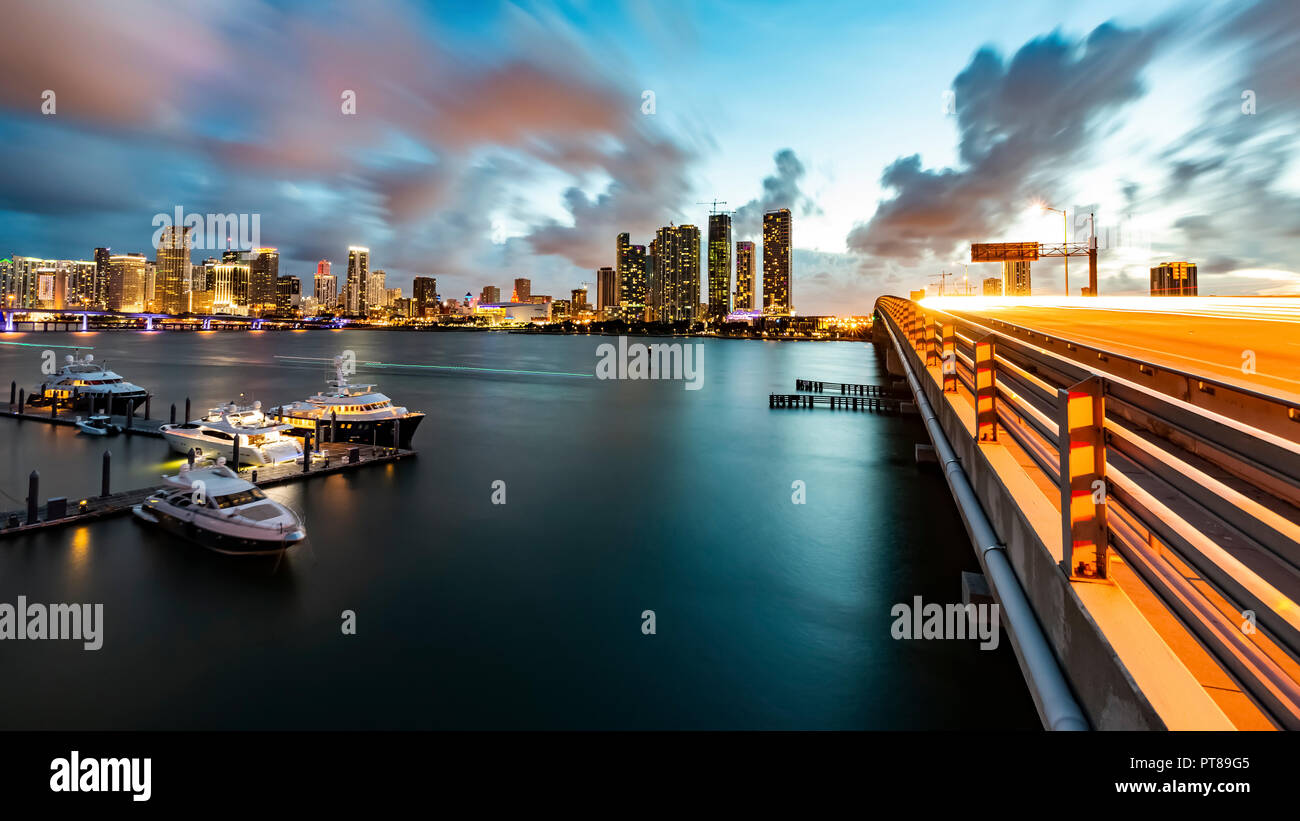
x=1003, y=251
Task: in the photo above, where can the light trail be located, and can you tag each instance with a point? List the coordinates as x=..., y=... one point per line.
x=444, y=367
x=37, y=345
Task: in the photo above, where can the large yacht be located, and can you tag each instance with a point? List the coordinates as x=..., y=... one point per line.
x=85, y=383
x=262, y=441
x=350, y=413
x=219, y=510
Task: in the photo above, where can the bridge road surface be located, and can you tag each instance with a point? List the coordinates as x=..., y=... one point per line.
x=1204, y=336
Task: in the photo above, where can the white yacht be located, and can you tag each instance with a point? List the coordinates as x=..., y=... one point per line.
x=354, y=413
x=219, y=510
x=261, y=440
x=85, y=383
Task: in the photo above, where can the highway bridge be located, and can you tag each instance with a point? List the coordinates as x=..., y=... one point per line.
x=79, y=319
x=1129, y=473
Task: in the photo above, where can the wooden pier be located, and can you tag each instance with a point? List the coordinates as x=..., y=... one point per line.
x=842, y=388
x=330, y=458
x=863, y=404
x=134, y=426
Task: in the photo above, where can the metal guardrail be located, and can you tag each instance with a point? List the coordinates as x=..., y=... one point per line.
x=1202, y=479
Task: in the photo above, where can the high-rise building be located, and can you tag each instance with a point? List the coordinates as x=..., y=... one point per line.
x=606, y=288
x=675, y=284
x=263, y=271
x=744, y=276
x=777, y=230
x=491, y=295
x=376, y=289
x=523, y=291
x=633, y=273
x=719, y=266
x=992, y=286
x=358, y=278
x=424, y=292
x=172, y=283
x=101, y=276
x=126, y=280
x=325, y=287
x=579, y=302
x=230, y=287
x=1174, y=279
x=1015, y=277
x=288, y=295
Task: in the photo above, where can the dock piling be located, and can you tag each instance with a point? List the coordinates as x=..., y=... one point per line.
x=187, y=409
x=106, y=473
x=13, y=393
x=173, y=416
x=22, y=401
x=130, y=413
x=234, y=455
x=306, y=452
x=33, y=493
x=190, y=457
x=148, y=403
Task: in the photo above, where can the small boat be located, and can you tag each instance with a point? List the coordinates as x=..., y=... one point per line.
x=214, y=507
x=98, y=426
x=261, y=440
x=85, y=383
x=351, y=413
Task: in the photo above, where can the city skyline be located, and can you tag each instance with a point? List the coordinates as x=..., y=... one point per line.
x=943, y=145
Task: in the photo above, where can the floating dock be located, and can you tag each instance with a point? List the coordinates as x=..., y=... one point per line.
x=330, y=458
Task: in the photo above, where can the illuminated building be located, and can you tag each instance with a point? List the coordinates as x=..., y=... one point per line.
x=675, y=284
x=523, y=290
x=744, y=276
x=777, y=229
x=288, y=295
x=490, y=295
x=579, y=302
x=633, y=273
x=606, y=288
x=1015, y=277
x=376, y=290
x=992, y=286
x=424, y=292
x=719, y=266
x=126, y=282
x=101, y=277
x=325, y=287
x=230, y=288
x=1174, y=279
x=355, y=286
x=263, y=271
x=172, y=285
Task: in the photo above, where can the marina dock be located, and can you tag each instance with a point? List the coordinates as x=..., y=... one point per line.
x=330, y=458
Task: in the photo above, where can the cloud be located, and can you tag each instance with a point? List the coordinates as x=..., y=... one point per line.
x=780, y=190
x=1023, y=123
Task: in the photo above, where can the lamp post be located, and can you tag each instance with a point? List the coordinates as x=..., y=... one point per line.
x=1065, y=251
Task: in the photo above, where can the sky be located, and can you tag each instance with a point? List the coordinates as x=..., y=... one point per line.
x=496, y=140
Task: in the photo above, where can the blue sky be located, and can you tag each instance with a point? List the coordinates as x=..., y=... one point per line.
x=495, y=140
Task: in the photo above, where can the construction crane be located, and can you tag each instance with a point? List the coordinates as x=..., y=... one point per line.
x=943, y=275
x=713, y=206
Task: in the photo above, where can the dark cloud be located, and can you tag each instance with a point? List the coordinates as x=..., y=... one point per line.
x=1022, y=124
x=780, y=190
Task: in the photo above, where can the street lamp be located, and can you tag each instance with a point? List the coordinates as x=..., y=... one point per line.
x=1065, y=251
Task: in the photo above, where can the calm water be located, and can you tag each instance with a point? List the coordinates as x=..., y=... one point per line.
x=621, y=497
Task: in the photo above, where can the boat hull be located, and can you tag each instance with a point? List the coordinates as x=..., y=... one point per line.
x=216, y=542
x=248, y=455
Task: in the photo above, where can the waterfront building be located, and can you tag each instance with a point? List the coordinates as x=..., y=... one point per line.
x=358, y=276
x=675, y=285
x=325, y=289
x=263, y=271
x=424, y=290
x=744, y=276
x=172, y=275
x=490, y=295
x=606, y=288
x=126, y=282
x=523, y=290
x=376, y=290
x=719, y=281
x=777, y=230
x=288, y=295
x=1174, y=279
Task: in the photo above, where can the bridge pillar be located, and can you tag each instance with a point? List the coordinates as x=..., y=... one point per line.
x=148, y=323
x=1081, y=413
x=986, y=412
x=85, y=322
x=949, y=358
x=8, y=317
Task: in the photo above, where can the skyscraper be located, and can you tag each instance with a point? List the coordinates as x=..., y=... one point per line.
x=490, y=295
x=1015, y=277
x=325, y=287
x=424, y=290
x=579, y=301
x=101, y=277
x=523, y=291
x=992, y=286
x=288, y=293
x=126, y=282
x=358, y=276
x=606, y=288
x=719, y=266
x=744, y=276
x=263, y=271
x=777, y=229
x=676, y=281
x=172, y=284
x=1174, y=279
x=376, y=289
